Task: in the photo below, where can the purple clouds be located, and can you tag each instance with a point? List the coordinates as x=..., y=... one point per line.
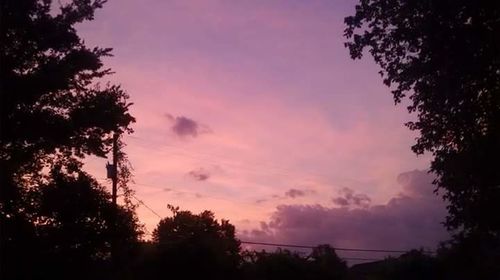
x=349, y=198
x=294, y=193
x=410, y=220
x=185, y=127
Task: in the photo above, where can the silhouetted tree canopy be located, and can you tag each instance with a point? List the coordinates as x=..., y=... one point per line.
x=443, y=56
x=326, y=264
x=413, y=265
x=282, y=264
x=186, y=240
x=72, y=225
x=51, y=108
x=472, y=256
x=76, y=214
x=53, y=113
x=322, y=264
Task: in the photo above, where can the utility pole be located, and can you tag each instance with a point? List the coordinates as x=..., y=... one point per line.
x=112, y=170
x=115, y=169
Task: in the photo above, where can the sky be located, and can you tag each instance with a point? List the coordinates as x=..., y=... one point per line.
x=254, y=110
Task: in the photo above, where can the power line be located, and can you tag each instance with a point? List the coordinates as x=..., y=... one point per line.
x=312, y=247
x=345, y=258
x=360, y=259
x=279, y=244
x=301, y=246
x=283, y=245
x=305, y=246
x=296, y=245
x=149, y=208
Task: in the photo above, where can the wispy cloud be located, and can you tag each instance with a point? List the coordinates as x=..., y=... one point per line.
x=199, y=174
x=262, y=200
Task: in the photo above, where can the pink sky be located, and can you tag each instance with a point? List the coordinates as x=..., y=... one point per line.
x=272, y=95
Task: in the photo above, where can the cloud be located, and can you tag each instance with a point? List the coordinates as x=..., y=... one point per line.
x=412, y=219
x=349, y=198
x=259, y=201
x=185, y=127
x=198, y=195
x=199, y=174
x=293, y=193
x=412, y=180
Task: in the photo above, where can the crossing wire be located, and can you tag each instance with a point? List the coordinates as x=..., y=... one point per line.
x=301, y=246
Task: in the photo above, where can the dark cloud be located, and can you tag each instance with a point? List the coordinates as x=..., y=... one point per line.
x=293, y=193
x=410, y=220
x=186, y=127
x=349, y=198
x=199, y=174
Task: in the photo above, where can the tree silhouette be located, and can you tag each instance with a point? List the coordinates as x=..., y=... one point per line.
x=413, y=265
x=52, y=110
x=281, y=264
x=472, y=256
x=76, y=221
x=322, y=263
x=196, y=246
x=326, y=264
x=444, y=56
x=53, y=113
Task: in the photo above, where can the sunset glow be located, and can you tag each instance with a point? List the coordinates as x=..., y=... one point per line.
x=254, y=110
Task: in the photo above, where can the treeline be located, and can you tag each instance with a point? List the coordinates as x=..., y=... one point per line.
x=199, y=247
x=74, y=238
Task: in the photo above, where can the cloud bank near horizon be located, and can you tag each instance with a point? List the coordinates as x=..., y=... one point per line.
x=412, y=219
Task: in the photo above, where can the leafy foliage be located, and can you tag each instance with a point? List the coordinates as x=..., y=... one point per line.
x=475, y=256
x=53, y=113
x=282, y=264
x=51, y=108
x=443, y=56
x=70, y=230
x=322, y=263
x=187, y=240
x=413, y=265
x=326, y=264
x=77, y=214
